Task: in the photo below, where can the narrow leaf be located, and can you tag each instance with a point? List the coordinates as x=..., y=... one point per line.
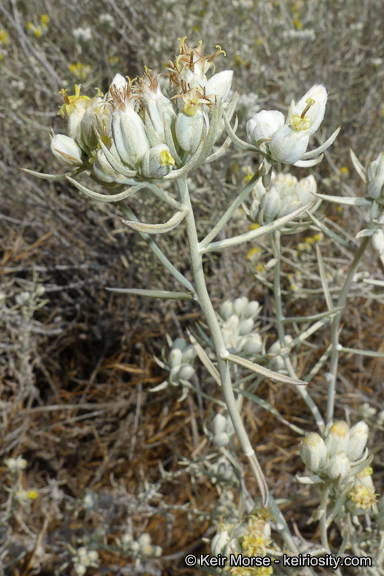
x=264, y=371
x=348, y=201
x=163, y=294
x=157, y=228
x=205, y=359
x=101, y=197
x=358, y=166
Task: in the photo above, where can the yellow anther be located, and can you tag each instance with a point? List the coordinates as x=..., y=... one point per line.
x=301, y=123
x=166, y=158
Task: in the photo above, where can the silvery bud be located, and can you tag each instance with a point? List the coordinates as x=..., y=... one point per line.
x=378, y=240
x=252, y=309
x=226, y=310
x=246, y=326
x=66, y=150
x=219, y=85
x=219, y=544
x=175, y=357
x=270, y=205
x=288, y=145
x=337, y=438
x=103, y=171
x=253, y=344
x=305, y=189
x=129, y=135
x=144, y=540
x=376, y=168
x=179, y=343
x=186, y=372
x=264, y=124
x=358, y=437
x=189, y=130
x=240, y=305
x=339, y=466
x=157, y=162
x=313, y=452
x=189, y=354
x=218, y=424
x=376, y=187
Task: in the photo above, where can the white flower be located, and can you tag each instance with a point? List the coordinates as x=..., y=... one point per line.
x=287, y=141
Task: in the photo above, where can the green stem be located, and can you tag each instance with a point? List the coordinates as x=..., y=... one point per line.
x=335, y=325
x=281, y=332
x=217, y=337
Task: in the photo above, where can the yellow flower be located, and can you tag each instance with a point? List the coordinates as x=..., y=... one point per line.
x=4, y=38
x=71, y=102
x=363, y=497
x=44, y=20
x=79, y=70
x=32, y=494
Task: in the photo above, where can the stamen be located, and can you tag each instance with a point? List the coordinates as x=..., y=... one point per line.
x=310, y=102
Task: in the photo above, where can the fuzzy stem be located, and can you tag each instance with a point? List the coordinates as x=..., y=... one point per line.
x=335, y=329
x=281, y=332
x=217, y=337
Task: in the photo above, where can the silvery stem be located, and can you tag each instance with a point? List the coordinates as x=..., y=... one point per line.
x=335, y=329
x=281, y=332
x=217, y=337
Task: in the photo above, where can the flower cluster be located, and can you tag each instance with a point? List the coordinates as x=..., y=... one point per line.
x=85, y=559
x=250, y=538
x=137, y=131
x=222, y=429
x=284, y=195
x=179, y=364
x=237, y=320
x=286, y=140
x=141, y=547
x=340, y=455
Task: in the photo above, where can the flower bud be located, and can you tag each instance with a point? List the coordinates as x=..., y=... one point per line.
x=218, y=424
x=376, y=168
x=358, y=437
x=240, y=305
x=252, y=345
x=288, y=145
x=157, y=162
x=252, y=309
x=66, y=150
x=376, y=187
x=313, y=452
x=339, y=466
x=186, y=372
x=221, y=439
x=246, y=326
x=264, y=124
x=226, y=310
x=103, y=171
x=219, y=543
x=129, y=135
x=175, y=357
x=189, y=130
x=189, y=355
x=378, y=240
x=337, y=438
x=270, y=205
